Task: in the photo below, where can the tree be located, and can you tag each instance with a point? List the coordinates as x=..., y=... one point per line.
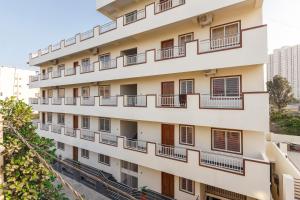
x=25, y=176
x=280, y=92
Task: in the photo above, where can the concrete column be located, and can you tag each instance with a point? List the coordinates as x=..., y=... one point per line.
x=287, y=187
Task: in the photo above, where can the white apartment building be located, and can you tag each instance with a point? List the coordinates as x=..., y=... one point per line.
x=286, y=63
x=15, y=82
x=165, y=96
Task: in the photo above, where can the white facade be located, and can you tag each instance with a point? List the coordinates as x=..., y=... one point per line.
x=15, y=82
x=286, y=63
x=171, y=87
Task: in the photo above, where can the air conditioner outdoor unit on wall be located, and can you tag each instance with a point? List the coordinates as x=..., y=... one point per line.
x=205, y=20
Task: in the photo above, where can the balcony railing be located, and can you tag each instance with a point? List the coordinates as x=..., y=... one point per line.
x=134, y=16
x=166, y=5
x=33, y=100
x=107, y=27
x=109, y=101
x=220, y=43
x=44, y=76
x=34, y=78
x=70, y=100
x=55, y=47
x=109, y=64
x=108, y=139
x=44, y=100
x=87, y=68
x=168, y=53
x=86, y=35
x=45, y=127
x=135, y=100
x=226, y=102
x=70, y=132
x=137, y=145
x=172, y=100
x=88, y=101
x=177, y=153
x=56, y=73
x=56, y=100
x=135, y=59
x=230, y=163
x=70, y=41
x=56, y=128
x=70, y=71
x=87, y=135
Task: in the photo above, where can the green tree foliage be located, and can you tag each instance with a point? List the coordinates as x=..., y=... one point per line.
x=280, y=92
x=25, y=176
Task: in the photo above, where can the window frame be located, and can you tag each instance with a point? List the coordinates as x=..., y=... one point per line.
x=83, y=152
x=88, y=60
x=59, y=117
x=48, y=115
x=193, y=135
x=88, y=91
x=50, y=93
x=104, y=86
x=184, y=36
x=103, y=162
x=129, y=166
x=225, y=25
x=82, y=122
x=186, y=189
x=193, y=85
x=61, y=146
x=226, y=141
x=109, y=122
x=224, y=87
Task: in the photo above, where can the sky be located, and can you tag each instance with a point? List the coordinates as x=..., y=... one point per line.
x=29, y=25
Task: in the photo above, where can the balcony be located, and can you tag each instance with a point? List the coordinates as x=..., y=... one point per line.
x=34, y=100
x=194, y=56
x=33, y=78
x=70, y=100
x=154, y=16
x=88, y=101
x=70, y=132
x=56, y=129
x=86, y=69
x=189, y=110
x=56, y=73
x=233, y=173
x=56, y=100
x=219, y=102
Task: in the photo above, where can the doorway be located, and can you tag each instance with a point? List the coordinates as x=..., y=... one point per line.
x=167, y=93
x=75, y=122
x=167, y=134
x=75, y=153
x=167, y=49
x=167, y=185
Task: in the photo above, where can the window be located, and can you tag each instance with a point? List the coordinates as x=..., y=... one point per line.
x=186, y=185
x=85, y=153
x=60, y=118
x=227, y=140
x=50, y=93
x=185, y=38
x=225, y=31
x=129, y=180
x=104, y=159
x=61, y=92
x=85, y=122
x=226, y=86
x=129, y=166
x=61, y=146
x=85, y=62
x=186, y=135
x=49, y=117
x=186, y=86
x=104, y=90
x=85, y=92
x=131, y=17
x=104, y=124
x=104, y=58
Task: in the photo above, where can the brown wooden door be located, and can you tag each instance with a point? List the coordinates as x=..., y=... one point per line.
x=75, y=153
x=75, y=64
x=167, y=94
x=75, y=122
x=44, y=93
x=75, y=92
x=167, y=134
x=43, y=118
x=167, y=185
x=167, y=49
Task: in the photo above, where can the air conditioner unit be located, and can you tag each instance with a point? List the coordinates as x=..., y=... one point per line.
x=205, y=20
x=210, y=72
x=54, y=62
x=94, y=51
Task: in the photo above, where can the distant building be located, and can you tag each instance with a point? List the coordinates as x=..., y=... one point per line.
x=14, y=82
x=286, y=63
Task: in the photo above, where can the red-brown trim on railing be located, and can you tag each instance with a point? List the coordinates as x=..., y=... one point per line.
x=229, y=152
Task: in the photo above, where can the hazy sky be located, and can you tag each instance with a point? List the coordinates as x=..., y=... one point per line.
x=28, y=25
